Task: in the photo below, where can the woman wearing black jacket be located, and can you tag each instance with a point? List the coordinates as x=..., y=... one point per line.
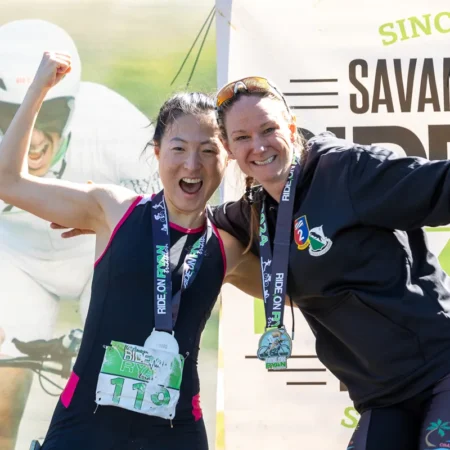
x=338, y=228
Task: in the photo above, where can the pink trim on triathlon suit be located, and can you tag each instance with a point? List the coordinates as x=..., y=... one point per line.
x=116, y=229
x=69, y=390
x=198, y=230
x=183, y=230
x=222, y=249
x=186, y=230
x=196, y=408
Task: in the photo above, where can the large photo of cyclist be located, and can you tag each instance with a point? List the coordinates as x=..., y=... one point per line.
x=126, y=59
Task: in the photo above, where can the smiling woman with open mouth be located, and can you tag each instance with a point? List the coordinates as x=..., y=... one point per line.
x=159, y=269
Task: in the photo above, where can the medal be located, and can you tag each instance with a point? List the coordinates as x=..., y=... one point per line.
x=275, y=347
x=160, y=340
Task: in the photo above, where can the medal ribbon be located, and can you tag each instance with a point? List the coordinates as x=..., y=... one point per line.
x=167, y=306
x=274, y=270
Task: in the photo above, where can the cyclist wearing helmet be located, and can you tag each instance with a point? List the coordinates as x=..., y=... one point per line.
x=274, y=340
x=84, y=131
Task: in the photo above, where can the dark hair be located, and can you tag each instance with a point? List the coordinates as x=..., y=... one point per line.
x=180, y=104
x=250, y=182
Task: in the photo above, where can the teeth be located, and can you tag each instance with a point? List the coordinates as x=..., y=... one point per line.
x=38, y=150
x=266, y=161
x=191, y=180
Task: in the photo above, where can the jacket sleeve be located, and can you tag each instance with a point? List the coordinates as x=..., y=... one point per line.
x=234, y=218
x=398, y=192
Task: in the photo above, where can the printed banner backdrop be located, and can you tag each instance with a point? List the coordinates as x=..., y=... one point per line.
x=372, y=72
x=132, y=55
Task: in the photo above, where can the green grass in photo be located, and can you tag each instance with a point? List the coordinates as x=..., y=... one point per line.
x=259, y=316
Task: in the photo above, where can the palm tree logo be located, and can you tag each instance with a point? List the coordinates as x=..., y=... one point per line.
x=440, y=427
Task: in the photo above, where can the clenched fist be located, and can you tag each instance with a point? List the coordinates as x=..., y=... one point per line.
x=53, y=67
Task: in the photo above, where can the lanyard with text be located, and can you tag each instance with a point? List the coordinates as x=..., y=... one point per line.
x=167, y=306
x=147, y=379
x=275, y=345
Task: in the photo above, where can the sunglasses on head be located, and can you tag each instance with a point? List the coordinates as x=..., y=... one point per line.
x=248, y=84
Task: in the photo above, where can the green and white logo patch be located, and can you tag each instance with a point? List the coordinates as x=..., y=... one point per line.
x=319, y=244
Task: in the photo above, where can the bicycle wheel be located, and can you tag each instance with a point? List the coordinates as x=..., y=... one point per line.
x=284, y=350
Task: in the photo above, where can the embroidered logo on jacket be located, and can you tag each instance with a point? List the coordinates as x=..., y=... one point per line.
x=313, y=238
x=301, y=232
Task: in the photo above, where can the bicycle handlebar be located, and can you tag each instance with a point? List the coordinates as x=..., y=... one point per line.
x=62, y=347
x=41, y=355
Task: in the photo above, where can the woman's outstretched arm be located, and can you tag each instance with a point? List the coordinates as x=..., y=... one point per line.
x=71, y=204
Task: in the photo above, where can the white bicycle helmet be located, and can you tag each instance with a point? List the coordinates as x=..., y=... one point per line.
x=22, y=44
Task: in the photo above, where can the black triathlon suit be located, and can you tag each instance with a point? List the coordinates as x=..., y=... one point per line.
x=121, y=309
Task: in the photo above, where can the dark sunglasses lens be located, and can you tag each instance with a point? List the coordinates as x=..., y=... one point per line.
x=225, y=94
x=52, y=117
x=7, y=112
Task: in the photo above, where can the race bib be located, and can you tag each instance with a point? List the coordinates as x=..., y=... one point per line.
x=140, y=379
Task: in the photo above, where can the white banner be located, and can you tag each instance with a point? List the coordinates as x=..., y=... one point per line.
x=372, y=72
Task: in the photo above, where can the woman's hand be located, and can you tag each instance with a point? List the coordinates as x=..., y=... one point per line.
x=52, y=69
x=71, y=233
